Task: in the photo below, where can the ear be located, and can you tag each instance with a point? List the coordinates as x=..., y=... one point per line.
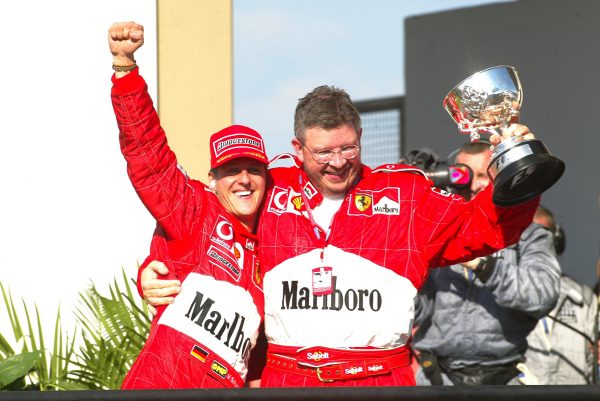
x=212, y=181
x=298, y=149
x=359, y=133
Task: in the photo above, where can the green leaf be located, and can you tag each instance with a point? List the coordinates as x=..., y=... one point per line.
x=5, y=348
x=17, y=366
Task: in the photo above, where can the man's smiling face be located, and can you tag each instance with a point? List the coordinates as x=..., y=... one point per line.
x=335, y=178
x=240, y=186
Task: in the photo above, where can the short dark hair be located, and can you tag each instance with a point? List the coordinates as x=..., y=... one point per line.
x=326, y=107
x=473, y=148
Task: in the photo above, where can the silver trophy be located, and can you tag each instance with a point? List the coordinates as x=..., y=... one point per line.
x=485, y=102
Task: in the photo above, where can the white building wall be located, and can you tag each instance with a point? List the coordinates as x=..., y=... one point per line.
x=69, y=213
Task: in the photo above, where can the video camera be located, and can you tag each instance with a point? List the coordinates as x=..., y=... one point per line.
x=446, y=176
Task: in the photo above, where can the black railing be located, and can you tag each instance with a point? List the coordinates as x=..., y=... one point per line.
x=442, y=393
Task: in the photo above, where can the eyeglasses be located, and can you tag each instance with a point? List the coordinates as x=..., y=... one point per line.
x=326, y=156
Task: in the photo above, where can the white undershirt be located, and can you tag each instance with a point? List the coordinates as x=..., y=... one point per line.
x=325, y=211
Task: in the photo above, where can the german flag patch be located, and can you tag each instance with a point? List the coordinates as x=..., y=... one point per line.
x=199, y=353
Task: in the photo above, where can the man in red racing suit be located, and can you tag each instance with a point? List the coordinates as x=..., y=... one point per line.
x=339, y=292
x=344, y=250
x=204, y=338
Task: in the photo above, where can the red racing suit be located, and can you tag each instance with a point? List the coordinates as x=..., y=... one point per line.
x=392, y=226
x=203, y=339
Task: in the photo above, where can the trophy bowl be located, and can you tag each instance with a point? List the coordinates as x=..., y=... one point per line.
x=486, y=102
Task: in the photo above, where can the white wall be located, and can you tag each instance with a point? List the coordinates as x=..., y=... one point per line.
x=69, y=213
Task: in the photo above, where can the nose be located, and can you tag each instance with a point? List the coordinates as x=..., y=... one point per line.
x=337, y=160
x=244, y=177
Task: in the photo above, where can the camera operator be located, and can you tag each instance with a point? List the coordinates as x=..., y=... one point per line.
x=473, y=318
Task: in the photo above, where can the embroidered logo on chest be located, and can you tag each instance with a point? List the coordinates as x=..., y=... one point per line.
x=370, y=203
x=224, y=261
x=362, y=201
x=285, y=200
x=222, y=233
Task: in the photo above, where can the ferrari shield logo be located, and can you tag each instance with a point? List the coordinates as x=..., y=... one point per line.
x=362, y=202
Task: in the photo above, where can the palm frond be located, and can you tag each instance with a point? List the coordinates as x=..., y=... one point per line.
x=5, y=349
x=113, y=329
x=112, y=332
x=32, y=360
x=12, y=313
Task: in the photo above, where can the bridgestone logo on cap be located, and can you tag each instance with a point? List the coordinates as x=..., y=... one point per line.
x=238, y=141
x=238, y=144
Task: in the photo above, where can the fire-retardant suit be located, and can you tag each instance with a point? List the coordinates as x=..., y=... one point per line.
x=204, y=338
x=339, y=300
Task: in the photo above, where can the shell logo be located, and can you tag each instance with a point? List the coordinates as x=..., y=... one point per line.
x=297, y=201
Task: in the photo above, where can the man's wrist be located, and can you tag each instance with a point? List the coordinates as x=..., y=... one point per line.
x=122, y=59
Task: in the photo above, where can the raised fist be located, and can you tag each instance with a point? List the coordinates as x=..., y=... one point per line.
x=124, y=38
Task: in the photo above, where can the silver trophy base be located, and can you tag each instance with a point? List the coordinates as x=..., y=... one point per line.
x=521, y=170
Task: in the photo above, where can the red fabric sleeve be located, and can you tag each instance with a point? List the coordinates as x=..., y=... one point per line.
x=453, y=230
x=151, y=165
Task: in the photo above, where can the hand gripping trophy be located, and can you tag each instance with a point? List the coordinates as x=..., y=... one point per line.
x=485, y=102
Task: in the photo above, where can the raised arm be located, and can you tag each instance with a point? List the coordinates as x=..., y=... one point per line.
x=528, y=282
x=152, y=166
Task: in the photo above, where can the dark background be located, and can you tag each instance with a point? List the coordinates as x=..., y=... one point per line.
x=555, y=46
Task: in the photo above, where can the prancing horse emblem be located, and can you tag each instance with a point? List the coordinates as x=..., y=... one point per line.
x=362, y=202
